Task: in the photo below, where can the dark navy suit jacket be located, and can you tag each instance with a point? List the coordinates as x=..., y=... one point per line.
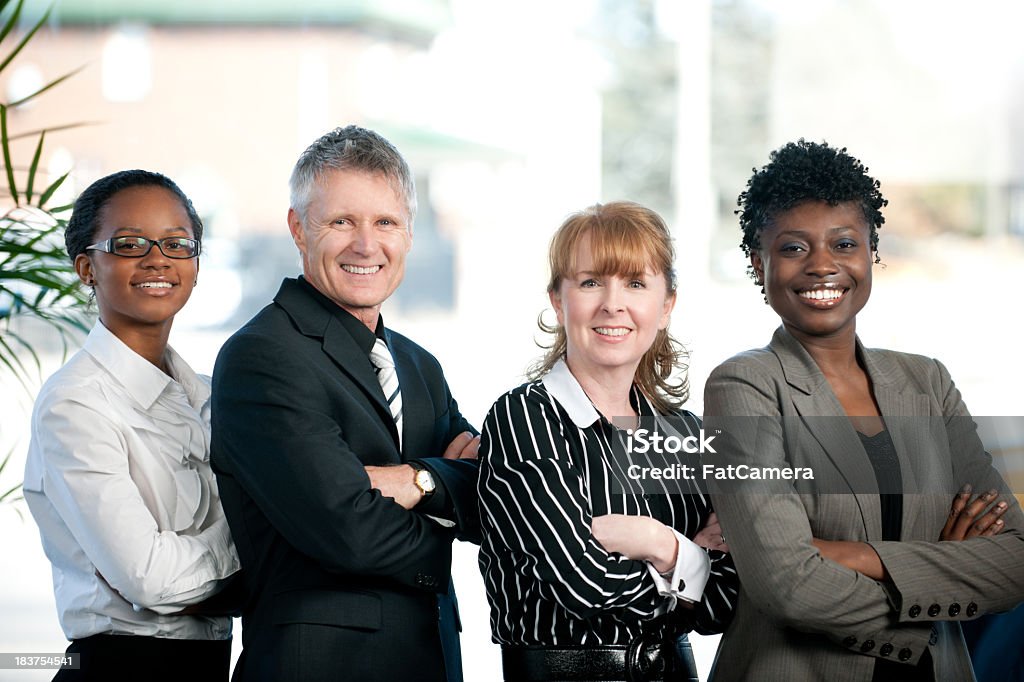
x=341, y=582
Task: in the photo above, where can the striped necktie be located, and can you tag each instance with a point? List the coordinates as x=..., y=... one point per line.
x=384, y=365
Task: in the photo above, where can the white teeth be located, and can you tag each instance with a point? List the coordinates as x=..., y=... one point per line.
x=611, y=331
x=356, y=270
x=154, y=285
x=822, y=294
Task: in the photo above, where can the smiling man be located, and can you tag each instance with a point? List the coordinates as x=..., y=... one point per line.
x=344, y=463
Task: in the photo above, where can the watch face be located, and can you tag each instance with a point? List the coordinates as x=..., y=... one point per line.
x=424, y=481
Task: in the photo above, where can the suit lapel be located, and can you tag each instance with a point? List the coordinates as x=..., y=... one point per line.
x=314, y=321
x=416, y=413
x=342, y=349
x=823, y=417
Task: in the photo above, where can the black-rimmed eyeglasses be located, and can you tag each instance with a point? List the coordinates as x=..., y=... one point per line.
x=137, y=247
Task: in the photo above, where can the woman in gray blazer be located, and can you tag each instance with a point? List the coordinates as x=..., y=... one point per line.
x=844, y=576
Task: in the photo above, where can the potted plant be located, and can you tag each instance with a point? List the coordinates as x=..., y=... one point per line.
x=38, y=286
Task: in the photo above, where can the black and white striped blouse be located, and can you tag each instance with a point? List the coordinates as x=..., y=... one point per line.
x=546, y=469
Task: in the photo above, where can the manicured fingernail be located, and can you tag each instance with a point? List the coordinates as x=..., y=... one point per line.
x=965, y=489
x=990, y=494
x=1001, y=506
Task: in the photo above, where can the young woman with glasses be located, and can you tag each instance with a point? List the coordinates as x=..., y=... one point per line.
x=118, y=475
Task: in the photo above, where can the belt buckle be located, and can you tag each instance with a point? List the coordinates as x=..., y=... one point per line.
x=644, y=659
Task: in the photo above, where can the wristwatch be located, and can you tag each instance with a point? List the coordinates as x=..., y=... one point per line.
x=423, y=479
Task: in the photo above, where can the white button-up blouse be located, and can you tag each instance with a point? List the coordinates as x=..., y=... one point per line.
x=118, y=479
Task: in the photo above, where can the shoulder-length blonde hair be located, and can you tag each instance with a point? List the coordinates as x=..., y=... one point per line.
x=625, y=238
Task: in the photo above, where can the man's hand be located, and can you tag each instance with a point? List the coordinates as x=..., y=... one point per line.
x=463, y=446
x=397, y=482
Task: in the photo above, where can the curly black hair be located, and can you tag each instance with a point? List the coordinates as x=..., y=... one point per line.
x=806, y=171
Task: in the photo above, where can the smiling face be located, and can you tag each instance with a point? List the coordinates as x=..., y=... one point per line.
x=610, y=320
x=354, y=237
x=135, y=293
x=815, y=264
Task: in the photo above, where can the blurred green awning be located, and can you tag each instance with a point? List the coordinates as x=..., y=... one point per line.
x=423, y=17
x=426, y=145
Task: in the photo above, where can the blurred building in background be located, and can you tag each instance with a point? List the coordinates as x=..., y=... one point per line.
x=223, y=96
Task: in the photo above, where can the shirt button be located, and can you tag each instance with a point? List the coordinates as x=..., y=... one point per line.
x=915, y=611
x=885, y=649
x=868, y=645
x=934, y=610
x=972, y=610
x=849, y=641
x=905, y=654
x=954, y=610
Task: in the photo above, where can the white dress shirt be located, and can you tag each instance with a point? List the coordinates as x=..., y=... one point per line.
x=118, y=479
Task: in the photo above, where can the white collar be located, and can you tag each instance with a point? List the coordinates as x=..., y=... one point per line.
x=143, y=381
x=563, y=387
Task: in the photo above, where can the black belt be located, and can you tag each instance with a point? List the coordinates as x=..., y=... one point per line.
x=644, y=659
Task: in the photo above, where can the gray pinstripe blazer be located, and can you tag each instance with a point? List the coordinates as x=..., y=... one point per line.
x=801, y=617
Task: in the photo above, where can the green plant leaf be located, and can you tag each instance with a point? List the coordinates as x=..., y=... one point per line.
x=45, y=196
x=5, y=460
x=50, y=129
x=31, y=180
x=46, y=87
x=28, y=36
x=12, y=20
x=4, y=139
x=16, y=488
x=10, y=359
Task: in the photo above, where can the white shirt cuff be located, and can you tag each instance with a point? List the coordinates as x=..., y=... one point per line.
x=688, y=577
x=447, y=523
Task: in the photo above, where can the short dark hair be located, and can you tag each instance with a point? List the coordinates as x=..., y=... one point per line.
x=85, y=215
x=807, y=171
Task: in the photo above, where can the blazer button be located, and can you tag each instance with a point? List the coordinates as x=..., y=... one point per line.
x=934, y=610
x=972, y=610
x=915, y=611
x=905, y=654
x=850, y=641
x=885, y=649
x=954, y=610
x=868, y=645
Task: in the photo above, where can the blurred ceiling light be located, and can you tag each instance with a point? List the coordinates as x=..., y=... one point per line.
x=127, y=64
x=61, y=162
x=26, y=79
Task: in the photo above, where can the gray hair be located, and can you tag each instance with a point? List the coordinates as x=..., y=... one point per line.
x=350, y=148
